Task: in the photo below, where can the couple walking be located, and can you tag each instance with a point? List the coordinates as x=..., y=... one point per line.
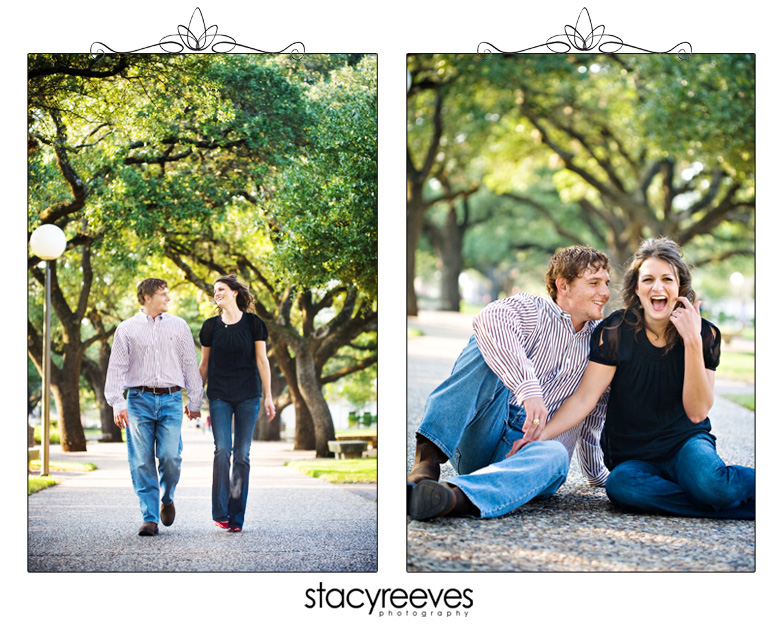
x=153, y=359
x=542, y=377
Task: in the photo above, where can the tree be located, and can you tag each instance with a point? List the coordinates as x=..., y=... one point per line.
x=70, y=139
x=447, y=124
x=144, y=157
x=625, y=155
x=313, y=238
x=599, y=149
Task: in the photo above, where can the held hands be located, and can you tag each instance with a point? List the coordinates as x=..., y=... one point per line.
x=535, y=419
x=687, y=320
x=192, y=414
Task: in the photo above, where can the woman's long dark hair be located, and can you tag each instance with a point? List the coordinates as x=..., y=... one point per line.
x=668, y=251
x=244, y=298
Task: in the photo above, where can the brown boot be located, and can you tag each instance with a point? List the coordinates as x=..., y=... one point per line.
x=427, y=461
x=431, y=499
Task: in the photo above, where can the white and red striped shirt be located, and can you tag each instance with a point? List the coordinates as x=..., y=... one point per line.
x=531, y=344
x=153, y=352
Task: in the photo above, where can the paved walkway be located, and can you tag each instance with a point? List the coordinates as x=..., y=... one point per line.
x=577, y=529
x=294, y=523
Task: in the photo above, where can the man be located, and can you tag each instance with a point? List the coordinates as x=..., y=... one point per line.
x=526, y=357
x=153, y=358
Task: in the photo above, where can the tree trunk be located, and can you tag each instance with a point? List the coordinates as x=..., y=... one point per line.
x=65, y=387
x=450, y=253
x=310, y=387
x=414, y=223
x=96, y=373
x=267, y=431
x=305, y=433
x=270, y=431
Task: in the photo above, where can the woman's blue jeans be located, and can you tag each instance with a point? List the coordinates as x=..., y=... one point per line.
x=470, y=419
x=231, y=462
x=154, y=429
x=695, y=482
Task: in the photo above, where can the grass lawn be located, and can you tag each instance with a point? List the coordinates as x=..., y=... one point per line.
x=35, y=465
x=339, y=470
x=736, y=366
x=38, y=483
x=746, y=400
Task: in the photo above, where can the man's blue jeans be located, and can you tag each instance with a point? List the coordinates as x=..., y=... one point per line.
x=470, y=419
x=695, y=482
x=230, y=480
x=154, y=430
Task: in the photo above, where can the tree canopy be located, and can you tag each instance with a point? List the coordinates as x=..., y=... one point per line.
x=194, y=166
x=595, y=149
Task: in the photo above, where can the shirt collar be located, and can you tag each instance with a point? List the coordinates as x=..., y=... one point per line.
x=567, y=317
x=149, y=318
x=561, y=313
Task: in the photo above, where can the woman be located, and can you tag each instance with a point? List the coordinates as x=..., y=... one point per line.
x=659, y=357
x=234, y=361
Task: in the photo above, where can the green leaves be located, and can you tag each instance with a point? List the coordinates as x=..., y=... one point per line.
x=634, y=145
x=325, y=207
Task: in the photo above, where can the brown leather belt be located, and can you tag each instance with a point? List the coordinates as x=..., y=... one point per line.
x=170, y=390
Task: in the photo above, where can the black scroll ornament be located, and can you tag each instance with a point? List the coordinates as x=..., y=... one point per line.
x=196, y=37
x=583, y=37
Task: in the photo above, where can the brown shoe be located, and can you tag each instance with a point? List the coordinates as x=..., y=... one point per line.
x=431, y=499
x=148, y=529
x=167, y=514
x=427, y=461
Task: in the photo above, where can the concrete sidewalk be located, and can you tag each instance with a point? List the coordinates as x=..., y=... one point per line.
x=293, y=523
x=577, y=529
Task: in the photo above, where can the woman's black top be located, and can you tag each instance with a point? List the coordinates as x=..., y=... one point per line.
x=646, y=419
x=232, y=374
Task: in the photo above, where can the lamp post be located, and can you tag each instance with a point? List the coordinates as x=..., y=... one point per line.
x=47, y=242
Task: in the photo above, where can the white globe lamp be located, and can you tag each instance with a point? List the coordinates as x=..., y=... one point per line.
x=47, y=242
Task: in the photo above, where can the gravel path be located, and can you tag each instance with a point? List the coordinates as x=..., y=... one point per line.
x=576, y=530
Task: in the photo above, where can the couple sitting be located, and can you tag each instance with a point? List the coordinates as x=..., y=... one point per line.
x=541, y=376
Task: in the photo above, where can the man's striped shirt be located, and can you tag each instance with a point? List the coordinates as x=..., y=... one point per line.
x=153, y=352
x=531, y=344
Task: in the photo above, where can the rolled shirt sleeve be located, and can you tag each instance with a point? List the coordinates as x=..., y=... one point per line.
x=501, y=330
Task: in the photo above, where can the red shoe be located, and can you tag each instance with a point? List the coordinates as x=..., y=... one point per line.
x=235, y=528
x=222, y=524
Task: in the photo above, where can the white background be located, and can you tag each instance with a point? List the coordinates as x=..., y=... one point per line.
x=392, y=30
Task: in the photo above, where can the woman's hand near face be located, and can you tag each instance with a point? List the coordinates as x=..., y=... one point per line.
x=697, y=379
x=687, y=320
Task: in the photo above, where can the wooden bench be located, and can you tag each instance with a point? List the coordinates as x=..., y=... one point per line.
x=347, y=449
x=728, y=336
x=371, y=439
